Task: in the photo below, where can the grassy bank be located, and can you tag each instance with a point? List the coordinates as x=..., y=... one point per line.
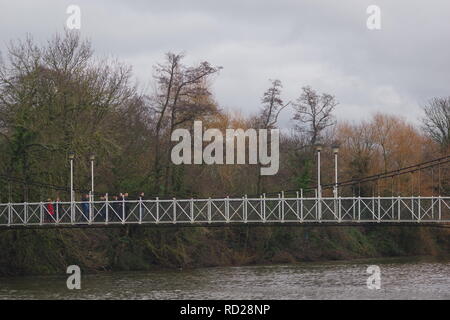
x=27, y=252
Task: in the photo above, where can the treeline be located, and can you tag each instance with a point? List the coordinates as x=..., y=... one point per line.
x=58, y=98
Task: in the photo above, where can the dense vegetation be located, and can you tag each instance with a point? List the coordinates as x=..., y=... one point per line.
x=137, y=248
x=57, y=98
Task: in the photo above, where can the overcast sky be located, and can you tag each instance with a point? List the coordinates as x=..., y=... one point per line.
x=325, y=44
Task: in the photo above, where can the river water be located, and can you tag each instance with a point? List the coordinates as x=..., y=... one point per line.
x=400, y=279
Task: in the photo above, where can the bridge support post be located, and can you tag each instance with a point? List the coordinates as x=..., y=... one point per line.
x=439, y=208
x=319, y=207
x=244, y=199
x=25, y=212
x=261, y=207
x=174, y=210
x=336, y=213
x=264, y=208
x=339, y=208
x=9, y=214
x=359, y=208
x=317, y=204
x=191, y=209
x=123, y=210
x=57, y=212
x=373, y=207
x=157, y=209
x=379, y=208
x=301, y=205
x=392, y=208
x=140, y=210
x=90, y=208
x=72, y=212
x=433, y=202
x=399, y=208
x=281, y=206
x=419, y=208
x=227, y=209
x=106, y=209
x=41, y=213
x=209, y=210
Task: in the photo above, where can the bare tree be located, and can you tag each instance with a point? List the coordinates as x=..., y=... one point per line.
x=383, y=129
x=313, y=111
x=436, y=122
x=272, y=105
x=55, y=98
x=360, y=147
x=181, y=96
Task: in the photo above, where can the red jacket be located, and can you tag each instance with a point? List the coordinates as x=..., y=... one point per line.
x=50, y=209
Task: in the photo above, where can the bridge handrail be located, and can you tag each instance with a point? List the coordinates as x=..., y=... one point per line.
x=228, y=199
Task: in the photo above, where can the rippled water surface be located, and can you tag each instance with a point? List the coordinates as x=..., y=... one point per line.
x=399, y=280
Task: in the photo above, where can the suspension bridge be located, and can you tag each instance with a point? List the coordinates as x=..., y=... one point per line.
x=298, y=210
x=283, y=208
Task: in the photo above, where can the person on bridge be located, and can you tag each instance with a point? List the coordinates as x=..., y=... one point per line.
x=50, y=211
x=141, y=196
x=85, y=206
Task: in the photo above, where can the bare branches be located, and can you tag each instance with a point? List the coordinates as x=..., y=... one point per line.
x=54, y=98
x=436, y=122
x=314, y=112
x=68, y=53
x=272, y=105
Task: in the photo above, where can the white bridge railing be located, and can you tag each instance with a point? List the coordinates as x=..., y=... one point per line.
x=230, y=210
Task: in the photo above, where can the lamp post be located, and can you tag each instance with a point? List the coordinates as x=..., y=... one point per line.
x=335, y=148
x=92, y=159
x=319, y=187
x=71, y=157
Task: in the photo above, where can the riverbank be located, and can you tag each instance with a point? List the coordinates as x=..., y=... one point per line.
x=135, y=248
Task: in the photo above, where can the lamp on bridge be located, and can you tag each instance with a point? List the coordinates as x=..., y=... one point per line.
x=335, y=148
